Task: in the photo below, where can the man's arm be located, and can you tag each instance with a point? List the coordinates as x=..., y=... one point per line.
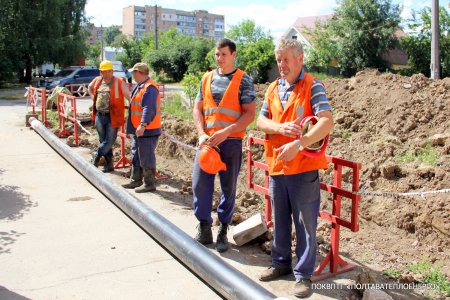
x=290, y=129
x=91, y=88
x=125, y=90
x=317, y=133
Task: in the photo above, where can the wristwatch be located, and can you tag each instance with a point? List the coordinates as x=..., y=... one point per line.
x=299, y=146
x=143, y=124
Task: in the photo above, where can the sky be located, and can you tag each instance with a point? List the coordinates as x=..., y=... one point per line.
x=275, y=15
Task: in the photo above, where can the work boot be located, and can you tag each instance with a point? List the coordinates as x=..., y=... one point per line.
x=96, y=159
x=136, y=178
x=222, y=239
x=149, y=182
x=108, y=167
x=273, y=273
x=204, y=234
x=302, y=288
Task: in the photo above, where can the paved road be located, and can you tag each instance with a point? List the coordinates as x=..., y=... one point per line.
x=62, y=239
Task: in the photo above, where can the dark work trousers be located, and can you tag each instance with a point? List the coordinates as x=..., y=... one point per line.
x=143, y=152
x=203, y=184
x=106, y=134
x=295, y=197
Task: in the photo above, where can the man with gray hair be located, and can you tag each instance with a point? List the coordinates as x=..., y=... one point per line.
x=294, y=178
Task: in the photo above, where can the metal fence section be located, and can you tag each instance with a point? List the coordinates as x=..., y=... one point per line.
x=333, y=259
x=67, y=110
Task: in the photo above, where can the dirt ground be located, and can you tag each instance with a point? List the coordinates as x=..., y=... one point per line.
x=399, y=129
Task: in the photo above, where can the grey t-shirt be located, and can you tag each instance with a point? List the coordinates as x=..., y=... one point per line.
x=219, y=84
x=103, y=95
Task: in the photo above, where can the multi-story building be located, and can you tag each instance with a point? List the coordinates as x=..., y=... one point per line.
x=138, y=20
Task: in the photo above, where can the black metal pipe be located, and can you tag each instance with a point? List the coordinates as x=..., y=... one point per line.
x=225, y=279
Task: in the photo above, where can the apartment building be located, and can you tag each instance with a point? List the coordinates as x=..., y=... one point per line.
x=138, y=20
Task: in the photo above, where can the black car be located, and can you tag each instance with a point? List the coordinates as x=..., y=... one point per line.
x=71, y=75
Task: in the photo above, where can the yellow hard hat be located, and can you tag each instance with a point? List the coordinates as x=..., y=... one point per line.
x=106, y=65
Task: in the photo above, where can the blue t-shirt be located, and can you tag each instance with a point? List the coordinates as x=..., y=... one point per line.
x=319, y=100
x=219, y=85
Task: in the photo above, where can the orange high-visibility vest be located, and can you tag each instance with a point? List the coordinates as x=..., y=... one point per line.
x=229, y=109
x=116, y=101
x=136, y=107
x=300, y=96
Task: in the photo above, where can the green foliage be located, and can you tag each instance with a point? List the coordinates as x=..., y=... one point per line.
x=132, y=53
x=418, y=44
x=191, y=85
x=357, y=36
x=93, y=54
x=392, y=272
x=255, y=49
x=431, y=275
x=178, y=54
x=111, y=33
x=174, y=105
x=428, y=156
x=34, y=32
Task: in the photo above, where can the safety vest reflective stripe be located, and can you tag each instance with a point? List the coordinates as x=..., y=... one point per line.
x=226, y=111
x=139, y=113
x=210, y=125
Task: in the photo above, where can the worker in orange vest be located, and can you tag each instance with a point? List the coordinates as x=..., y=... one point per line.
x=144, y=124
x=108, y=93
x=294, y=185
x=224, y=107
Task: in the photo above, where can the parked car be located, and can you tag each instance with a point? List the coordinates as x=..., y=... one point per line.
x=121, y=71
x=71, y=75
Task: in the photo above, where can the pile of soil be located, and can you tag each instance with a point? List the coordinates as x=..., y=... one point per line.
x=388, y=123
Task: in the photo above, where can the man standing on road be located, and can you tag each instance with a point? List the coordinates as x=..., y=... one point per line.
x=224, y=107
x=108, y=93
x=294, y=178
x=144, y=124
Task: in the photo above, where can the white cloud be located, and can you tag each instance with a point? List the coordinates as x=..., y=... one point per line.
x=276, y=18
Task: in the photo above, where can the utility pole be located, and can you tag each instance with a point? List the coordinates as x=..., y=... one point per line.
x=156, y=26
x=435, y=40
x=101, y=30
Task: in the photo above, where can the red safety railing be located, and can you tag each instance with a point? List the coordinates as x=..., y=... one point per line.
x=123, y=161
x=67, y=104
x=337, y=264
x=80, y=89
x=34, y=95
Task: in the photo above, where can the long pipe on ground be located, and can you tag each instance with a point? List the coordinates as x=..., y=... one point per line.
x=225, y=279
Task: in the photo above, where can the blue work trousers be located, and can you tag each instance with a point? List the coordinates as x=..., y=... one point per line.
x=295, y=197
x=106, y=134
x=143, y=152
x=203, y=184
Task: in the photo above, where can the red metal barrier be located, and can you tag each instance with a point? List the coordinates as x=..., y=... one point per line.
x=67, y=104
x=80, y=89
x=337, y=264
x=34, y=95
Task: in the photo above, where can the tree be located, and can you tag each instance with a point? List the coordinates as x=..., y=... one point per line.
x=418, y=43
x=191, y=83
x=255, y=49
x=111, y=33
x=358, y=35
x=34, y=32
x=131, y=52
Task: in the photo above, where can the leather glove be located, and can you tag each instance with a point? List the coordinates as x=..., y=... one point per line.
x=202, y=138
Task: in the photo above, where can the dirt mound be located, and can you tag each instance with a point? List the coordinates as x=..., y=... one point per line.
x=399, y=129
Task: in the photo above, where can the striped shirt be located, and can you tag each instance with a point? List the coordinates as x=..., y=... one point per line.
x=319, y=100
x=219, y=84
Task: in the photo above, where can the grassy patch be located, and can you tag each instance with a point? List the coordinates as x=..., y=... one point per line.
x=18, y=96
x=346, y=134
x=431, y=275
x=173, y=105
x=52, y=116
x=392, y=272
x=323, y=76
x=428, y=156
